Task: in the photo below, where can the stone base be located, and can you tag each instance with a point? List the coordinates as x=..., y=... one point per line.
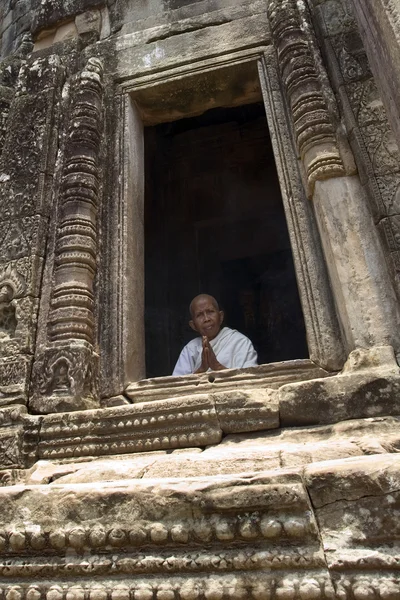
x=368, y=386
x=65, y=379
x=180, y=512
x=269, y=535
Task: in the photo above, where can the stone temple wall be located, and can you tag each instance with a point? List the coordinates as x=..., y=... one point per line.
x=276, y=482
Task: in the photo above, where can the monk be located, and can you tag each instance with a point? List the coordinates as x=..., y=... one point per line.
x=217, y=347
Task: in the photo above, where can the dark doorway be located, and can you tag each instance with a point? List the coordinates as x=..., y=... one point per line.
x=214, y=223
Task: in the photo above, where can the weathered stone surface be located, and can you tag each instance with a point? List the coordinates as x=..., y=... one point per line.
x=50, y=12
x=11, y=437
x=242, y=526
x=148, y=501
x=242, y=33
x=291, y=449
x=22, y=237
x=365, y=296
x=14, y=379
x=272, y=375
x=114, y=401
x=380, y=31
x=158, y=425
x=17, y=327
x=367, y=387
x=89, y=21
x=372, y=141
x=66, y=372
x=357, y=507
x=114, y=469
x=144, y=33
x=313, y=125
x=247, y=410
x=323, y=334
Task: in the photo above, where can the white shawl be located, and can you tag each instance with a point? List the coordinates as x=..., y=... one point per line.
x=232, y=349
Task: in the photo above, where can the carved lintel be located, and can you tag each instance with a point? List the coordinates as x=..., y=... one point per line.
x=65, y=376
x=312, y=121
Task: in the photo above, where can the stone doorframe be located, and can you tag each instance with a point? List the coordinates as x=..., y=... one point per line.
x=323, y=332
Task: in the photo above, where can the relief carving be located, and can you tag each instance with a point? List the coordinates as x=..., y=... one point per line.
x=9, y=69
x=67, y=371
x=12, y=286
x=71, y=315
x=381, y=146
x=312, y=121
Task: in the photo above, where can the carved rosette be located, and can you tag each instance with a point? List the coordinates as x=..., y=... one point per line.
x=313, y=125
x=67, y=373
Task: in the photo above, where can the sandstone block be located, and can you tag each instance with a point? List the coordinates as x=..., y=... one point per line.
x=160, y=425
x=357, y=505
x=247, y=410
x=88, y=22
x=368, y=386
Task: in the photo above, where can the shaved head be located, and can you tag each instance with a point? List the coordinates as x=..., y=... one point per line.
x=206, y=316
x=203, y=297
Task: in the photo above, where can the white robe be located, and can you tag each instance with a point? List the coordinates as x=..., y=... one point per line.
x=232, y=349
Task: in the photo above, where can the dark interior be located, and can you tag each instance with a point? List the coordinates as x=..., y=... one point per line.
x=214, y=223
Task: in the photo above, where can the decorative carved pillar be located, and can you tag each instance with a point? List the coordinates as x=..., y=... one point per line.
x=364, y=294
x=312, y=122
x=65, y=377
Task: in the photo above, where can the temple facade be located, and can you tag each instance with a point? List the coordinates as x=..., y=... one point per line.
x=151, y=150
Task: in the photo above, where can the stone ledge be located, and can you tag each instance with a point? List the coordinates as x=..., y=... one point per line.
x=368, y=387
x=198, y=420
x=272, y=375
x=290, y=449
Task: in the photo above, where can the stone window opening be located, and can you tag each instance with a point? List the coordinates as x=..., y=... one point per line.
x=214, y=223
x=151, y=110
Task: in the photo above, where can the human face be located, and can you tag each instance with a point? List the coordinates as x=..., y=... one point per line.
x=207, y=318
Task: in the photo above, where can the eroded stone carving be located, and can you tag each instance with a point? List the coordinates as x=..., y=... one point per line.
x=71, y=314
x=164, y=515
x=68, y=370
x=12, y=286
x=237, y=539
x=66, y=373
x=313, y=125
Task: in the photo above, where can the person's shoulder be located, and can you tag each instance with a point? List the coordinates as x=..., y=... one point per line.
x=238, y=336
x=194, y=344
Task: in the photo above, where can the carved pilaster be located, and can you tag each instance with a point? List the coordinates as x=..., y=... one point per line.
x=312, y=122
x=71, y=314
x=65, y=377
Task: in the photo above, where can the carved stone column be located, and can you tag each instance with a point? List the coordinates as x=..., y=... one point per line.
x=65, y=376
x=364, y=294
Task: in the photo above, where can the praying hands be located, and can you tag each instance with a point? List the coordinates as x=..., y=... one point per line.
x=208, y=358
